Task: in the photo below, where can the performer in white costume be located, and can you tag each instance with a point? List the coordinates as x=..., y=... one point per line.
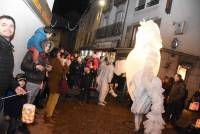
x=145, y=89
x=104, y=78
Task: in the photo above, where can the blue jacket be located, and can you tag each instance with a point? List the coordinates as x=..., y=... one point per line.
x=36, y=39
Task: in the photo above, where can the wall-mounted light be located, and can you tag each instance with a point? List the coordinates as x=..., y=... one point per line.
x=102, y=3
x=175, y=43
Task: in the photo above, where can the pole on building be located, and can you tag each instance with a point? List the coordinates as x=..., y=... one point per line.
x=123, y=24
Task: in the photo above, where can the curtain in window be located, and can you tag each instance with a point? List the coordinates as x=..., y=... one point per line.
x=168, y=6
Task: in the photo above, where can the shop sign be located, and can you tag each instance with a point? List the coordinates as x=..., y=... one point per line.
x=106, y=45
x=41, y=9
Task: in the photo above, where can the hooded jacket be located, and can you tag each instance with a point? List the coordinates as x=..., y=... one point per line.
x=35, y=53
x=36, y=40
x=6, y=65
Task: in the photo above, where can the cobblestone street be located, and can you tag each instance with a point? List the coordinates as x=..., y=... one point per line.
x=72, y=117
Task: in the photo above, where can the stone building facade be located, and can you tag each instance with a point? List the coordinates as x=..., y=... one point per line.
x=179, y=26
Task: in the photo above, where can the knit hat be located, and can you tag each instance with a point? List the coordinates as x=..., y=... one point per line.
x=48, y=29
x=20, y=77
x=47, y=43
x=86, y=69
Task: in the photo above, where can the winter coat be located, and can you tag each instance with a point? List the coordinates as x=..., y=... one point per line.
x=95, y=63
x=102, y=66
x=86, y=81
x=36, y=40
x=167, y=88
x=29, y=67
x=196, y=96
x=6, y=65
x=88, y=60
x=13, y=106
x=56, y=74
x=106, y=74
x=177, y=92
x=75, y=68
x=115, y=79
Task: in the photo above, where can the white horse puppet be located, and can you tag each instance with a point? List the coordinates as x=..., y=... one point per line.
x=145, y=57
x=141, y=68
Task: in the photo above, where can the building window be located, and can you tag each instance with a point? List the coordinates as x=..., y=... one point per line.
x=141, y=2
x=130, y=38
x=182, y=71
x=184, y=68
x=168, y=6
x=104, y=22
x=135, y=29
x=131, y=35
x=140, y=5
x=119, y=2
x=119, y=16
x=145, y=3
x=152, y=3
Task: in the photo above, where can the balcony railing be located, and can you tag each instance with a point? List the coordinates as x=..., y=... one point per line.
x=140, y=7
x=109, y=31
x=152, y=2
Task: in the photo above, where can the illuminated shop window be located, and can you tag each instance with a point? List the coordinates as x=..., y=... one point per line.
x=182, y=71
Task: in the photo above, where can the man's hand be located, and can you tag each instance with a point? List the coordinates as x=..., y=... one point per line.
x=40, y=67
x=20, y=91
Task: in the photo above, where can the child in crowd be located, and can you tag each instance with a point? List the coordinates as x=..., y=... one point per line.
x=13, y=105
x=86, y=81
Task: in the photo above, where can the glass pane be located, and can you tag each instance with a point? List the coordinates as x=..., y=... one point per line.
x=182, y=71
x=141, y=2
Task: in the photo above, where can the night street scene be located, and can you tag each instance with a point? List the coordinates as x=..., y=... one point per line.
x=99, y=67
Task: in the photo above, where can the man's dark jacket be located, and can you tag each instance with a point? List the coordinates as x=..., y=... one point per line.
x=29, y=67
x=178, y=92
x=6, y=65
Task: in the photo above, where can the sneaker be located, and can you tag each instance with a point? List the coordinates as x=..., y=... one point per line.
x=113, y=93
x=101, y=104
x=104, y=102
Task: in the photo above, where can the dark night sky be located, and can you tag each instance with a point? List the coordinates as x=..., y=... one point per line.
x=64, y=6
x=71, y=10
x=68, y=12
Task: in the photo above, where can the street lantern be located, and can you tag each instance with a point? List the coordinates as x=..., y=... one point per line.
x=28, y=113
x=102, y=3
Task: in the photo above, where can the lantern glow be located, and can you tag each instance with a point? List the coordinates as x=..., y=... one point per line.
x=197, y=125
x=28, y=113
